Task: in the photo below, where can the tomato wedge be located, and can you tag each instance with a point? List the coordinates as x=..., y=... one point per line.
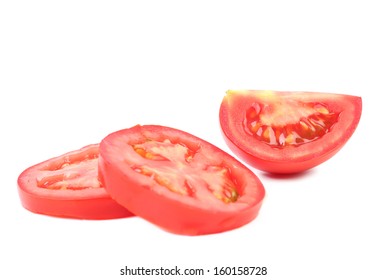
x=178, y=181
x=68, y=186
x=287, y=132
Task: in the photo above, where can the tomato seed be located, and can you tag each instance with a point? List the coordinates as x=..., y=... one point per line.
x=307, y=129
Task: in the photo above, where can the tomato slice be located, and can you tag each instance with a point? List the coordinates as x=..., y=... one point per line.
x=178, y=181
x=68, y=186
x=287, y=132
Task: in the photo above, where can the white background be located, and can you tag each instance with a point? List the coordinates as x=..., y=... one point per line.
x=73, y=71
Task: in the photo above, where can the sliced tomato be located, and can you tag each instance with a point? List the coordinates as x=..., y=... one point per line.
x=68, y=186
x=287, y=132
x=178, y=181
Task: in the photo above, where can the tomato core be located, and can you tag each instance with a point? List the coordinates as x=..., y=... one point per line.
x=173, y=166
x=68, y=175
x=309, y=122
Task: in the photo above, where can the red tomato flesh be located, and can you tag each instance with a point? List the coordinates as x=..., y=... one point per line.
x=68, y=186
x=287, y=132
x=178, y=181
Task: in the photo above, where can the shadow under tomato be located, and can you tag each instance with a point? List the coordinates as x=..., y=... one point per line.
x=294, y=176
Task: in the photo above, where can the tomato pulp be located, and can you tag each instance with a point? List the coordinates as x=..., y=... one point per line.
x=178, y=181
x=68, y=186
x=287, y=132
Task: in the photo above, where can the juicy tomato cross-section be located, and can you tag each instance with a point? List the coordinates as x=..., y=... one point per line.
x=68, y=186
x=178, y=181
x=287, y=132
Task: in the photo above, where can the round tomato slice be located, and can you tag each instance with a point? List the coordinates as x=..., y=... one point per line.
x=287, y=132
x=68, y=186
x=177, y=181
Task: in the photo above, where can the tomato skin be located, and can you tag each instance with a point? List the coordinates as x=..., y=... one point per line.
x=174, y=212
x=93, y=204
x=288, y=159
x=286, y=166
